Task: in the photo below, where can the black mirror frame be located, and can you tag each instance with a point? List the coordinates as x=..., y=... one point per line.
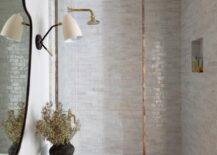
x=29, y=75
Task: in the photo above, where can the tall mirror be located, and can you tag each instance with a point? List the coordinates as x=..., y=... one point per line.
x=15, y=47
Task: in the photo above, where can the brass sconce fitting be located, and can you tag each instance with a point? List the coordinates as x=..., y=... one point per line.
x=26, y=24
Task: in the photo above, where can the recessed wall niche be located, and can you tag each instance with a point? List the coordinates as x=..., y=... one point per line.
x=197, y=55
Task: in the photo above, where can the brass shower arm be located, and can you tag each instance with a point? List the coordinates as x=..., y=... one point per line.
x=81, y=10
x=92, y=21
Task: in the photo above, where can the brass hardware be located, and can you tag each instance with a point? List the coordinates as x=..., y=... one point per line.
x=26, y=24
x=58, y=24
x=80, y=10
x=93, y=20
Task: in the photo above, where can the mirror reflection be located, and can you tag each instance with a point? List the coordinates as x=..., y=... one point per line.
x=14, y=58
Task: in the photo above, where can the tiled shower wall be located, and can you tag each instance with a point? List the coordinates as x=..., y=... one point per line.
x=13, y=67
x=100, y=77
x=95, y=74
x=199, y=99
x=162, y=77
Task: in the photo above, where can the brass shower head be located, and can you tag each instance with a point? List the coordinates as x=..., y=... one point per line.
x=92, y=21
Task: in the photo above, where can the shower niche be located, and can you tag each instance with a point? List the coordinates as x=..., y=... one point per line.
x=197, y=55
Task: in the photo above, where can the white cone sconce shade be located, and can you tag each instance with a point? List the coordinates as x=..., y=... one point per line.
x=71, y=29
x=13, y=28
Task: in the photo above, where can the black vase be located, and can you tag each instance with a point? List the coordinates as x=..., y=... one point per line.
x=66, y=149
x=13, y=149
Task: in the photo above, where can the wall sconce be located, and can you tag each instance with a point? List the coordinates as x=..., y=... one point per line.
x=13, y=28
x=71, y=32
x=71, y=28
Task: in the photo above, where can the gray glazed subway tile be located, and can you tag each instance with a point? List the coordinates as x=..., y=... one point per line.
x=101, y=76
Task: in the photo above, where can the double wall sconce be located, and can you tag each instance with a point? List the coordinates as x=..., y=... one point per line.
x=13, y=28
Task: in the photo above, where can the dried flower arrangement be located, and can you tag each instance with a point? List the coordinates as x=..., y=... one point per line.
x=56, y=126
x=13, y=125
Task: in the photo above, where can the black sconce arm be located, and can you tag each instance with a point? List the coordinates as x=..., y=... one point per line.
x=39, y=39
x=50, y=30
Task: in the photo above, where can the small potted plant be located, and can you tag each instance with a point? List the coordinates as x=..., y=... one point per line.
x=58, y=128
x=13, y=126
